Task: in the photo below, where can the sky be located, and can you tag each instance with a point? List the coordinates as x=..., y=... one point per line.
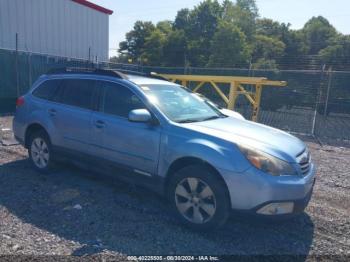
x=295, y=12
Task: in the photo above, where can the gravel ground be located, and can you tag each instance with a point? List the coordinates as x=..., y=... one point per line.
x=72, y=212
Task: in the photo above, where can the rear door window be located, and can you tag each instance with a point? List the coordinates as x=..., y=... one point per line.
x=77, y=92
x=47, y=89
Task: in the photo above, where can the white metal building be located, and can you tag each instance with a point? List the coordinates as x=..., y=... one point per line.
x=68, y=28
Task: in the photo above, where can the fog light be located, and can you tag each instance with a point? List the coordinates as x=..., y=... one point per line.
x=276, y=209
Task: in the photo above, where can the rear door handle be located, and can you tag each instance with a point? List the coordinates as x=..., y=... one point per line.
x=52, y=112
x=100, y=124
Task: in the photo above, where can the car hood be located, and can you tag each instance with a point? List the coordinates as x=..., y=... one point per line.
x=242, y=132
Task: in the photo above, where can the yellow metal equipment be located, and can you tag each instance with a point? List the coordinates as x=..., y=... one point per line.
x=236, y=87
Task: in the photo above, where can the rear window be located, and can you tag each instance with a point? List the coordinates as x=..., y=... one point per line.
x=77, y=92
x=47, y=89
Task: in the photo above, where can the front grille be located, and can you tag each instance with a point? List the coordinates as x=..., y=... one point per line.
x=304, y=161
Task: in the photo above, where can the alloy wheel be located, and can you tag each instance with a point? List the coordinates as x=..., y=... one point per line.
x=195, y=200
x=40, y=153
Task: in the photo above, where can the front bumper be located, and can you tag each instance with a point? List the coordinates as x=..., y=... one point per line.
x=253, y=190
x=298, y=206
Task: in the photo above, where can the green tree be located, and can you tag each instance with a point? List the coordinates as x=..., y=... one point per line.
x=338, y=51
x=203, y=22
x=317, y=32
x=230, y=34
x=268, y=47
x=272, y=28
x=295, y=45
x=242, y=16
x=165, y=26
x=175, y=48
x=182, y=19
x=265, y=64
x=229, y=47
x=249, y=6
x=204, y=19
x=134, y=45
x=153, y=48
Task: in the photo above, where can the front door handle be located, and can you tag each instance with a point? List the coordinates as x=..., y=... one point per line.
x=100, y=124
x=52, y=112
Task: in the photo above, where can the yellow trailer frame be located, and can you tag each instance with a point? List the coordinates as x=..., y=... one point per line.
x=236, y=87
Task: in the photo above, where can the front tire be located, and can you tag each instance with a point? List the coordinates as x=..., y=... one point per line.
x=199, y=198
x=40, y=153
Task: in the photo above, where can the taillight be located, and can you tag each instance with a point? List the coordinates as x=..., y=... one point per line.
x=20, y=101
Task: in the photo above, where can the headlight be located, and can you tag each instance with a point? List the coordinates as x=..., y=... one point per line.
x=268, y=163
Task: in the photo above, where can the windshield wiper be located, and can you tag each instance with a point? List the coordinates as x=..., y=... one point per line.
x=212, y=118
x=189, y=121
x=199, y=120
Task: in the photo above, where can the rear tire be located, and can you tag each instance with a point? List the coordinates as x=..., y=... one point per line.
x=40, y=153
x=199, y=198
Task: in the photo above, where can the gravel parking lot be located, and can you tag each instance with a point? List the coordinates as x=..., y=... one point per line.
x=74, y=212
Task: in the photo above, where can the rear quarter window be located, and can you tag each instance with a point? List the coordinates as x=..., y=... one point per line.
x=47, y=89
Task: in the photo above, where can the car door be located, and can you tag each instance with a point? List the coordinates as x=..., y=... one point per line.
x=71, y=112
x=129, y=144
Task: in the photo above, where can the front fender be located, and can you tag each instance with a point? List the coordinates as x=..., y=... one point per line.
x=219, y=154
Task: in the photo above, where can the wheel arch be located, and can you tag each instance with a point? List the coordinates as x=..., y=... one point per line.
x=182, y=162
x=31, y=129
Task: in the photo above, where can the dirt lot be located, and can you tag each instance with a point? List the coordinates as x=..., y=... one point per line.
x=74, y=212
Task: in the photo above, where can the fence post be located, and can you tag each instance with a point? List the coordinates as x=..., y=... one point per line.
x=317, y=102
x=330, y=75
x=30, y=70
x=89, y=54
x=16, y=67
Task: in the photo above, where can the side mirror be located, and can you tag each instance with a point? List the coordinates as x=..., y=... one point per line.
x=140, y=116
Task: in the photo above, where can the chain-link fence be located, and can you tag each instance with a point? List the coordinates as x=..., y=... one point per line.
x=315, y=102
x=19, y=70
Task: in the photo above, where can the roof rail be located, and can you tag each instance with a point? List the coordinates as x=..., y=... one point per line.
x=79, y=70
x=137, y=73
x=118, y=73
x=157, y=76
x=131, y=72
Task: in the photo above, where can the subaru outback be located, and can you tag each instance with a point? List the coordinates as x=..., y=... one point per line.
x=159, y=134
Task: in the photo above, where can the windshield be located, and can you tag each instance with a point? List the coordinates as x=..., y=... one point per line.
x=180, y=104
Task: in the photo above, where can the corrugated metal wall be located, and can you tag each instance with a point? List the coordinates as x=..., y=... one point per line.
x=54, y=27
